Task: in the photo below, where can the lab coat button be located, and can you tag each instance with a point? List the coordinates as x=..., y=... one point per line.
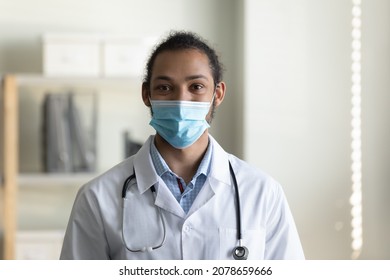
x=187, y=229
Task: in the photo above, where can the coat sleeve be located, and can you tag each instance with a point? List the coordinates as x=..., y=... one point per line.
x=85, y=237
x=282, y=239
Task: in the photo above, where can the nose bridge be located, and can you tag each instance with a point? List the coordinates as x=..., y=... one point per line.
x=183, y=93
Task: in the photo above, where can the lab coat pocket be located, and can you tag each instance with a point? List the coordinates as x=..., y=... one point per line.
x=253, y=239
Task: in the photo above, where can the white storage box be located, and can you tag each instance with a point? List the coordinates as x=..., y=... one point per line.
x=39, y=244
x=71, y=55
x=125, y=57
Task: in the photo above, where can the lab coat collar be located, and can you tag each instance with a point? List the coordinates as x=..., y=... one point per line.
x=147, y=177
x=218, y=179
x=143, y=165
x=219, y=164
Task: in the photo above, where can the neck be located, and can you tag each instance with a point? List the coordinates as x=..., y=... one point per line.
x=183, y=162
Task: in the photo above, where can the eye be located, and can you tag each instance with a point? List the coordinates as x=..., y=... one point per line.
x=163, y=88
x=197, y=87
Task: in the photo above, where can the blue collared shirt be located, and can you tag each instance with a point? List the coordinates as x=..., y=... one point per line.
x=174, y=182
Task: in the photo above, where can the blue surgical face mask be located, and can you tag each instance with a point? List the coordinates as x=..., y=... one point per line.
x=180, y=123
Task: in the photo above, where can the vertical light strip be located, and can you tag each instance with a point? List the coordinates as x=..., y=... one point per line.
x=356, y=144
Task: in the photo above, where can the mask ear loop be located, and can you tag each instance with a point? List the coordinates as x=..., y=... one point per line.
x=215, y=92
x=212, y=99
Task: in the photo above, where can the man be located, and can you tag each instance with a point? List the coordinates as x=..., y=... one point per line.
x=182, y=196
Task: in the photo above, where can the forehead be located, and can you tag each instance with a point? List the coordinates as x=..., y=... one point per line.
x=177, y=63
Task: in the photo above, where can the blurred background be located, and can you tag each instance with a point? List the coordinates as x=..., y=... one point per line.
x=308, y=85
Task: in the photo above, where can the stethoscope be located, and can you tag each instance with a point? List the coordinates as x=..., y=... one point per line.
x=239, y=252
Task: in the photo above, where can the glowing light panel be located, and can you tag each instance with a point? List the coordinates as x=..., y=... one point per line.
x=356, y=143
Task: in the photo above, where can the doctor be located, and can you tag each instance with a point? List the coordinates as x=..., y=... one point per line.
x=182, y=196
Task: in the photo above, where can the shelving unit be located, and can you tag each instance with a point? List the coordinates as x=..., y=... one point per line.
x=14, y=181
x=9, y=163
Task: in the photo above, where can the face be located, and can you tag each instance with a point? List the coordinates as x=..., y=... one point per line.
x=183, y=75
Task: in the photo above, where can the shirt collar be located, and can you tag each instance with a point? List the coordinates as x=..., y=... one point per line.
x=162, y=167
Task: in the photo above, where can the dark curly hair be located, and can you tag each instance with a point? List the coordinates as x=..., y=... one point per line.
x=181, y=40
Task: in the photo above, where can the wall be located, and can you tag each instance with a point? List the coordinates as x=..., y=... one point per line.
x=375, y=125
x=297, y=116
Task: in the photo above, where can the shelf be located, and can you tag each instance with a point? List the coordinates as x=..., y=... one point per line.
x=54, y=179
x=54, y=193
x=111, y=82
x=59, y=188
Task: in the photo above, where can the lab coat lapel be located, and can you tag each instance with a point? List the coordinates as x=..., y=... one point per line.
x=205, y=194
x=218, y=179
x=166, y=201
x=144, y=169
x=147, y=177
x=219, y=170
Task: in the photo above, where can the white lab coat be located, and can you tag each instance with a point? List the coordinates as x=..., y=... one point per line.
x=208, y=231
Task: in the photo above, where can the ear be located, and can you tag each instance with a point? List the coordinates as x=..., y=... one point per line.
x=219, y=93
x=146, y=94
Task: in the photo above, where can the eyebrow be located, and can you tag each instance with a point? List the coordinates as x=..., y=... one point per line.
x=189, y=78
x=194, y=77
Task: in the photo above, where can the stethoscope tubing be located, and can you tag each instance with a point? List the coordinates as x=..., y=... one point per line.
x=238, y=207
x=125, y=188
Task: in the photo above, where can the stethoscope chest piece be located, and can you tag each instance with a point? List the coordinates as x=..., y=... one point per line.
x=240, y=253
